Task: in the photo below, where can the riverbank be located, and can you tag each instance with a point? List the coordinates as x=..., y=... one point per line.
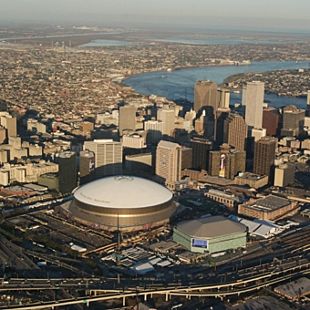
x=179, y=84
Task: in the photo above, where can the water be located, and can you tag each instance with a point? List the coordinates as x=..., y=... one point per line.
x=179, y=84
x=220, y=41
x=105, y=43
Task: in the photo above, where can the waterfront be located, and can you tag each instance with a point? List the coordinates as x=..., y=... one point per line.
x=179, y=84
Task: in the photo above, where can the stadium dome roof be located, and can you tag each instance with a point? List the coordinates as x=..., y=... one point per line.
x=123, y=192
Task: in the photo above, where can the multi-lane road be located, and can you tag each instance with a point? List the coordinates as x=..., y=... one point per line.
x=275, y=261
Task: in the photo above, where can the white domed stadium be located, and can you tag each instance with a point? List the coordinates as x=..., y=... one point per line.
x=122, y=202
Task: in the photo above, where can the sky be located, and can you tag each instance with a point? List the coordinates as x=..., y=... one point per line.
x=265, y=14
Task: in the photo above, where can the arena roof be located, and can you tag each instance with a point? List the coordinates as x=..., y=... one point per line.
x=210, y=227
x=123, y=192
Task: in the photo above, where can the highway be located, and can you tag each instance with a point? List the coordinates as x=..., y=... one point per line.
x=273, y=261
x=227, y=289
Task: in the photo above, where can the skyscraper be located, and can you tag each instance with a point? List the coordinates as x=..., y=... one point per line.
x=108, y=156
x=201, y=149
x=271, y=120
x=127, y=118
x=253, y=98
x=308, y=104
x=169, y=162
x=293, y=121
x=264, y=155
x=235, y=131
x=87, y=164
x=154, y=131
x=67, y=172
x=226, y=162
x=224, y=98
x=205, y=95
x=167, y=116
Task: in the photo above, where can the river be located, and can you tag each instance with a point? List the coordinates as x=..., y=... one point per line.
x=179, y=84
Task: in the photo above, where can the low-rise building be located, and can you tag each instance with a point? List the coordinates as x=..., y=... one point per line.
x=270, y=208
x=251, y=179
x=211, y=234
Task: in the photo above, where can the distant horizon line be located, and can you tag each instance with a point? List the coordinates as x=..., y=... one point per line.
x=150, y=25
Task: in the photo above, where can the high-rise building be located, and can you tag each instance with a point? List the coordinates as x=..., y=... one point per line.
x=284, y=175
x=205, y=96
x=2, y=135
x=226, y=162
x=253, y=98
x=134, y=141
x=127, y=118
x=167, y=116
x=221, y=115
x=293, y=121
x=224, y=98
x=308, y=104
x=257, y=133
x=235, y=131
x=67, y=173
x=187, y=158
x=9, y=123
x=264, y=155
x=87, y=163
x=200, y=148
x=271, y=121
x=154, y=131
x=169, y=162
x=108, y=156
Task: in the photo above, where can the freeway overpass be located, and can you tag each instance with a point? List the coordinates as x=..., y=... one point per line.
x=202, y=290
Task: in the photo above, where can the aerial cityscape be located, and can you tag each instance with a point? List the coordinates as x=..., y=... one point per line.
x=154, y=156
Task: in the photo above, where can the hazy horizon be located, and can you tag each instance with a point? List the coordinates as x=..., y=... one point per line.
x=280, y=15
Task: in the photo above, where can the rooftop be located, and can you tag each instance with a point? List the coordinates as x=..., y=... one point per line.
x=211, y=227
x=123, y=192
x=270, y=203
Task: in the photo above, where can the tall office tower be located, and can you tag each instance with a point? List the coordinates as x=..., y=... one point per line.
x=308, y=104
x=293, y=121
x=169, y=162
x=187, y=158
x=167, y=116
x=2, y=135
x=108, y=156
x=253, y=98
x=227, y=162
x=87, y=163
x=154, y=131
x=271, y=121
x=205, y=95
x=224, y=98
x=284, y=175
x=199, y=125
x=201, y=150
x=221, y=115
x=235, y=131
x=10, y=123
x=127, y=118
x=264, y=155
x=257, y=134
x=67, y=173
